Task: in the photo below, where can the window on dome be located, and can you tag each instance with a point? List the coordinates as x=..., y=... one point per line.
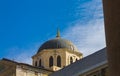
x=58, y=61
x=71, y=60
x=76, y=59
x=36, y=63
x=40, y=63
x=51, y=61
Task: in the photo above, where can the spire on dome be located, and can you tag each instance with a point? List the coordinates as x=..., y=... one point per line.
x=58, y=33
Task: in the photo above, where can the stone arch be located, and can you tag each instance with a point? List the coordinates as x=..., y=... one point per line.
x=35, y=63
x=40, y=63
x=51, y=61
x=76, y=59
x=71, y=60
x=58, y=61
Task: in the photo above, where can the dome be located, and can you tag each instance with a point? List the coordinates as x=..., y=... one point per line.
x=58, y=43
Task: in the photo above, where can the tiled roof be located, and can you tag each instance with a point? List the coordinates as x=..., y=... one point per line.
x=81, y=66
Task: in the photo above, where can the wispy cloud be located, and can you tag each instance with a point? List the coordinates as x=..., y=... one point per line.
x=87, y=10
x=88, y=31
x=22, y=55
x=88, y=38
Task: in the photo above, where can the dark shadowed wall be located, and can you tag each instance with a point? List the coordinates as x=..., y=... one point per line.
x=112, y=29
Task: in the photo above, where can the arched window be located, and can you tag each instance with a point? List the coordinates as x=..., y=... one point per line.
x=36, y=63
x=76, y=59
x=71, y=60
x=50, y=61
x=58, y=61
x=40, y=63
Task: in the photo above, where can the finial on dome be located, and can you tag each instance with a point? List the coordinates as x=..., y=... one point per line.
x=58, y=33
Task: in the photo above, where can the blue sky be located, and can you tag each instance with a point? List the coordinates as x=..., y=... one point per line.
x=26, y=24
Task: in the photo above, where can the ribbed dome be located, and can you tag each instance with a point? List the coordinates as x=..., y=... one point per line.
x=58, y=43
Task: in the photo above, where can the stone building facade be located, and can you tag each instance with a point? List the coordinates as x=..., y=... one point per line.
x=95, y=64
x=58, y=57
x=12, y=68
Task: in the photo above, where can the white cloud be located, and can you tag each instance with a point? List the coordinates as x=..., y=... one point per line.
x=88, y=38
x=87, y=10
x=88, y=34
